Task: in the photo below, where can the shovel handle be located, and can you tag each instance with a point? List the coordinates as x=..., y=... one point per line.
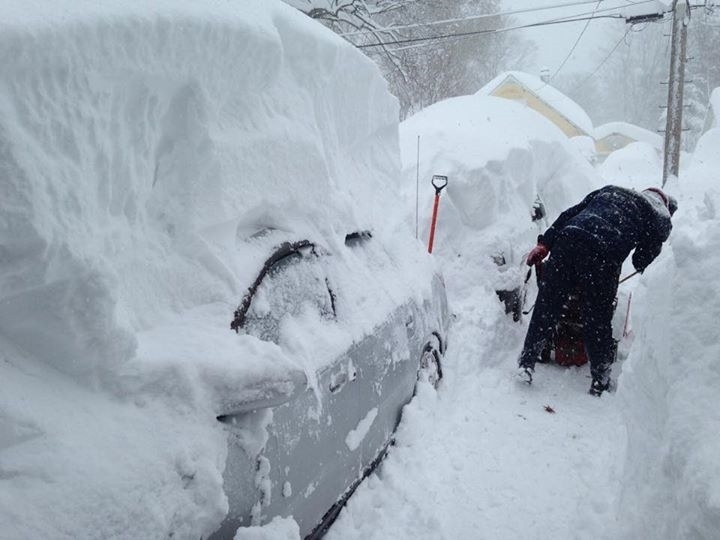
x=439, y=182
x=433, y=222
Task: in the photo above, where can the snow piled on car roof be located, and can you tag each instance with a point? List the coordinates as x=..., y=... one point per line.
x=499, y=157
x=140, y=145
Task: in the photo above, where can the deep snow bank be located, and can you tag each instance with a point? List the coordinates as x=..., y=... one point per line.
x=637, y=166
x=670, y=380
x=138, y=143
x=499, y=156
x=125, y=135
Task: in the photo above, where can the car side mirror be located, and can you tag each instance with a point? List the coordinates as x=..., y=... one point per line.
x=538, y=210
x=265, y=394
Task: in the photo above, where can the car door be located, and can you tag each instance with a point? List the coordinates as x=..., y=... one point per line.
x=321, y=444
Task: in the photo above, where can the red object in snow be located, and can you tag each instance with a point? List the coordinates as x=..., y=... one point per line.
x=567, y=347
x=433, y=223
x=569, y=342
x=570, y=350
x=439, y=182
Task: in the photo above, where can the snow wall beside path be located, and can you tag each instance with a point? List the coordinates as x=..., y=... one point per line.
x=127, y=132
x=670, y=384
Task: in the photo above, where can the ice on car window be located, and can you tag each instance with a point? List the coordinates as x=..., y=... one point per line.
x=290, y=285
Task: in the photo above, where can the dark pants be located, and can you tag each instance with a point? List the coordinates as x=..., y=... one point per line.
x=574, y=263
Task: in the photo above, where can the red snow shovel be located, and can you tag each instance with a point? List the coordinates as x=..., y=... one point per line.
x=439, y=182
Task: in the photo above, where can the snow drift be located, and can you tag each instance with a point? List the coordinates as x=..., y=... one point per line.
x=637, y=166
x=499, y=156
x=639, y=463
x=138, y=144
x=670, y=380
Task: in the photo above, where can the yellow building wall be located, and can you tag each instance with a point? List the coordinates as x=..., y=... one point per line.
x=611, y=143
x=517, y=92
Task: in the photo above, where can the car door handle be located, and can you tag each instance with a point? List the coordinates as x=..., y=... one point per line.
x=337, y=381
x=410, y=323
x=347, y=373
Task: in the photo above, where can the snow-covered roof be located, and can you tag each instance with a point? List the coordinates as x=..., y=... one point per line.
x=550, y=95
x=629, y=130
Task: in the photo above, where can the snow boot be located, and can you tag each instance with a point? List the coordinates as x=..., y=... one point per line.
x=525, y=374
x=597, y=387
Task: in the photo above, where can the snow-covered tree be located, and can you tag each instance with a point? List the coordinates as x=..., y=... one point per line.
x=635, y=77
x=586, y=91
x=343, y=15
x=631, y=85
x=425, y=63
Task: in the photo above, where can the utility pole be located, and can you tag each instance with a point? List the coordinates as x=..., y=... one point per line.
x=676, y=81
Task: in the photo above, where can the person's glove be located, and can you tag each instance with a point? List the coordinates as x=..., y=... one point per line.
x=537, y=254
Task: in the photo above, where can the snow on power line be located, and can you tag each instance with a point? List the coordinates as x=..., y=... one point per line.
x=466, y=19
x=612, y=13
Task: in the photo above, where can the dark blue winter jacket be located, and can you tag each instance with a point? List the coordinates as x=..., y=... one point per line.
x=615, y=221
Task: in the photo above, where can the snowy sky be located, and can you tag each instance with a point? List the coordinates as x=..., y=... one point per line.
x=554, y=42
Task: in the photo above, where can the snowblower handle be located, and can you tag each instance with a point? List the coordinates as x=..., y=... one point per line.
x=441, y=183
x=538, y=271
x=628, y=277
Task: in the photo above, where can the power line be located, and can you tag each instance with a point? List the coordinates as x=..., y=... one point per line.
x=424, y=42
x=471, y=18
x=489, y=31
x=576, y=43
x=602, y=63
x=557, y=20
x=607, y=57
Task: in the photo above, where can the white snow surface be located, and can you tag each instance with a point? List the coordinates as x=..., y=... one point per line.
x=134, y=144
x=669, y=386
x=485, y=457
x=141, y=146
x=715, y=105
x=635, y=165
x=355, y=437
x=499, y=156
x=586, y=146
x=549, y=94
x=629, y=130
x=277, y=529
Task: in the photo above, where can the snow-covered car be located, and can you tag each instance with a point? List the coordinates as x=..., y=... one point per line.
x=185, y=192
x=504, y=187
x=321, y=437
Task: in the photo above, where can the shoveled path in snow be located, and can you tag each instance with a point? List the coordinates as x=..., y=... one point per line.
x=481, y=458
